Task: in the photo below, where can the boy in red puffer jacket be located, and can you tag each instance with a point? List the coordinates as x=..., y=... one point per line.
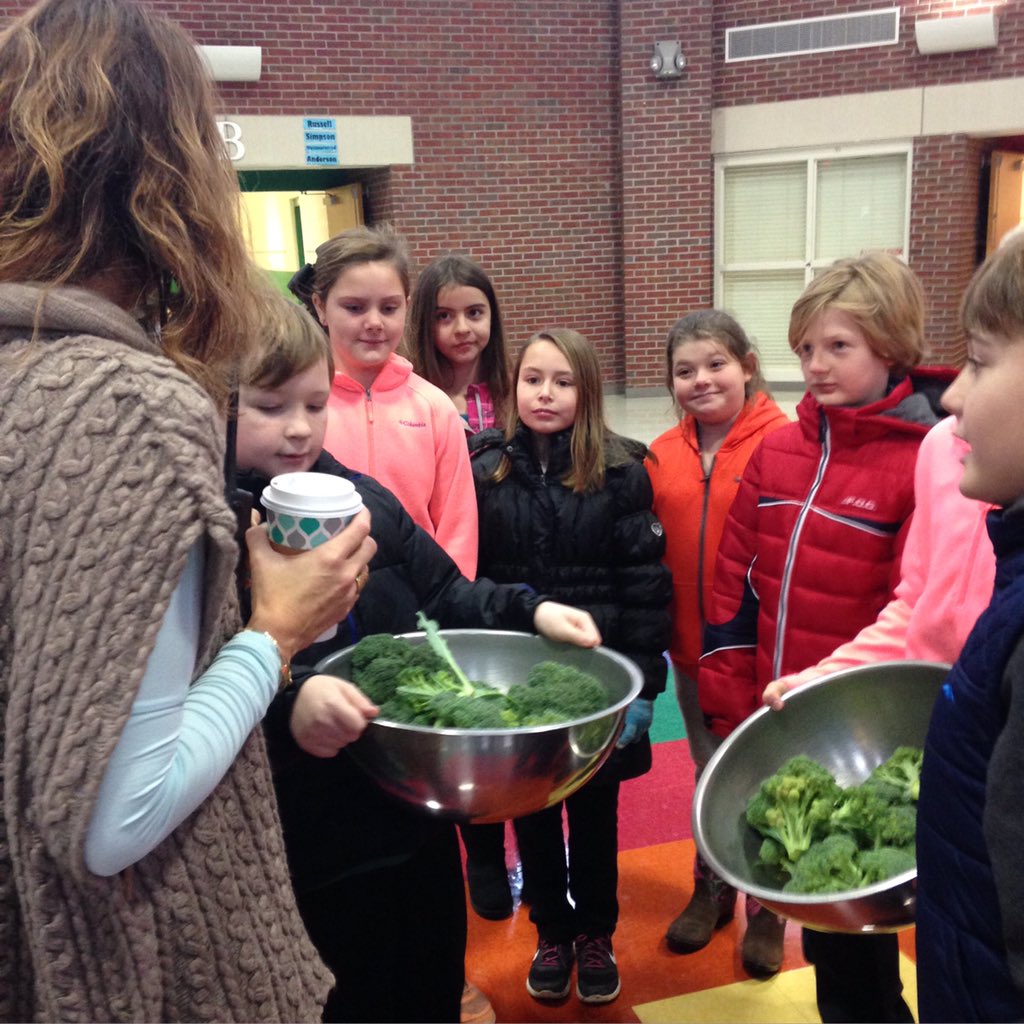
x=811, y=550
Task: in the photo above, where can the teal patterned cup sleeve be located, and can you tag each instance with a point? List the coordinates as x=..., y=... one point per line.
x=306, y=509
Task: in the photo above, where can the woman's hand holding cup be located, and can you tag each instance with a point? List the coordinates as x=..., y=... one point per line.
x=295, y=598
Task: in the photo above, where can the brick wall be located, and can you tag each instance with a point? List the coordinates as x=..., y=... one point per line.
x=514, y=111
x=546, y=148
x=865, y=70
x=668, y=181
x=515, y=132
x=947, y=171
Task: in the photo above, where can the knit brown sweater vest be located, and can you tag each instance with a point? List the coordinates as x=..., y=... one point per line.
x=110, y=470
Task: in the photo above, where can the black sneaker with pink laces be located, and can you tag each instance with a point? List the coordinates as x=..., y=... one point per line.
x=597, y=973
x=551, y=971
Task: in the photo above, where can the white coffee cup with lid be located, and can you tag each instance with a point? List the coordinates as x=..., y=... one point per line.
x=305, y=510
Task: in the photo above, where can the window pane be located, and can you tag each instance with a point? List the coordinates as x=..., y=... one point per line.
x=861, y=205
x=765, y=211
x=761, y=301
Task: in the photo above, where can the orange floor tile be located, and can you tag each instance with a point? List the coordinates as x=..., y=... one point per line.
x=654, y=884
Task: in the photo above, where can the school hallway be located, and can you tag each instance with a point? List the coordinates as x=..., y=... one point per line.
x=655, y=881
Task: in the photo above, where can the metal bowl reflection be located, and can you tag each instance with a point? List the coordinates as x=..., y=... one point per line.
x=850, y=721
x=491, y=775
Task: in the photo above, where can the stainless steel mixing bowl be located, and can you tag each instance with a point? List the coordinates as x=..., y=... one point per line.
x=491, y=775
x=850, y=721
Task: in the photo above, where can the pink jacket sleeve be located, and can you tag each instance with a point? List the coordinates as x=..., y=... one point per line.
x=885, y=639
x=452, y=506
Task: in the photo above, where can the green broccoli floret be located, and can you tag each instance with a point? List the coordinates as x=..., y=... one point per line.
x=377, y=645
x=378, y=679
x=858, y=811
x=884, y=791
x=418, y=687
x=896, y=826
x=422, y=684
x=884, y=862
x=398, y=710
x=794, y=805
x=453, y=710
x=555, y=693
x=772, y=854
x=902, y=770
x=829, y=865
x=424, y=656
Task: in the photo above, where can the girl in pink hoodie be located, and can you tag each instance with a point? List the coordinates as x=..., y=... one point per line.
x=383, y=419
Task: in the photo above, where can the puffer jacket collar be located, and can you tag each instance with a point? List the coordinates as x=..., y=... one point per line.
x=524, y=458
x=911, y=406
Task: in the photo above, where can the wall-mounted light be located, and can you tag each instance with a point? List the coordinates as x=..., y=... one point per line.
x=964, y=32
x=668, y=60
x=232, y=63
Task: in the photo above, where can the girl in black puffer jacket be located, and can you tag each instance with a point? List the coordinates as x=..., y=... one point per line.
x=565, y=506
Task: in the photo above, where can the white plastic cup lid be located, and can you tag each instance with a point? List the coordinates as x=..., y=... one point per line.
x=316, y=494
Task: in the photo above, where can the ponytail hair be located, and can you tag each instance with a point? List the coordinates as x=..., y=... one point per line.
x=350, y=248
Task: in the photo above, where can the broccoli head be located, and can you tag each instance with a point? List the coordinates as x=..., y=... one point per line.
x=451, y=710
x=556, y=693
x=424, y=656
x=378, y=679
x=829, y=865
x=902, y=770
x=896, y=826
x=794, y=805
x=422, y=684
x=377, y=645
x=772, y=854
x=884, y=862
x=858, y=811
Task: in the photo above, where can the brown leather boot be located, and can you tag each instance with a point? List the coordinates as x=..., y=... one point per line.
x=711, y=906
x=762, y=947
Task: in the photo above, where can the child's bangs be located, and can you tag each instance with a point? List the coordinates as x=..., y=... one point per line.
x=994, y=300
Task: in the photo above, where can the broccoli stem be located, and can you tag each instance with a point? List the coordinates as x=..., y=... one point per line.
x=440, y=647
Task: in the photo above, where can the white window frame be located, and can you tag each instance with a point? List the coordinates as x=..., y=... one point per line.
x=778, y=373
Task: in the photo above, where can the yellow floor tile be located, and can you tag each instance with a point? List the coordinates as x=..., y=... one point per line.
x=788, y=998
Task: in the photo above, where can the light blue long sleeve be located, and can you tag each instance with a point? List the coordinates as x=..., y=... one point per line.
x=179, y=740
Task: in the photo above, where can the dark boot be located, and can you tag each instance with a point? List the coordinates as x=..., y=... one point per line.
x=762, y=947
x=489, y=892
x=711, y=906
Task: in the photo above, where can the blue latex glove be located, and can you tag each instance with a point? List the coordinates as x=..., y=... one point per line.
x=639, y=715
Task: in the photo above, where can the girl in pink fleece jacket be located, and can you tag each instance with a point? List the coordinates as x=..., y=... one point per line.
x=383, y=419
x=939, y=597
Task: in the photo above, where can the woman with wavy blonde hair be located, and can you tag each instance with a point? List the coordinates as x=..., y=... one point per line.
x=142, y=873
x=112, y=167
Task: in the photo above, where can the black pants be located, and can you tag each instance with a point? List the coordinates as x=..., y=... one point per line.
x=857, y=977
x=485, y=843
x=395, y=937
x=592, y=872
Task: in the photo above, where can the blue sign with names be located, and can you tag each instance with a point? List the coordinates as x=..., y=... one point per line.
x=320, y=136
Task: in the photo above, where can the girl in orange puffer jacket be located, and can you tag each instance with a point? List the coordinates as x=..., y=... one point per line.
x=714, y=377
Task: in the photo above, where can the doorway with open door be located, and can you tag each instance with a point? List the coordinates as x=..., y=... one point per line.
x=287, y=214
x=1005, y=200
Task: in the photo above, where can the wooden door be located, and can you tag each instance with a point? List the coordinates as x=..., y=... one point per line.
x=344, y=208
x=1004, y=199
